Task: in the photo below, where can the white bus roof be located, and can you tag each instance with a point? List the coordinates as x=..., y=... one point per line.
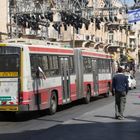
x=25, y=41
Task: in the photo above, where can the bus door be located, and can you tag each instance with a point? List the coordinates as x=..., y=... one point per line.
x=9, y=79
x=65, y=76
x=95, y=76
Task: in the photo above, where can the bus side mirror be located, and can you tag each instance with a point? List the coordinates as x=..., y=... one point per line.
x=40, y=73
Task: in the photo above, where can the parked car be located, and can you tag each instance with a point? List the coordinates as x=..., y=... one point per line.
x=132, y=81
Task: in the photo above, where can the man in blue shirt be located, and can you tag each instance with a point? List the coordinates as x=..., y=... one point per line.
x=120, y=89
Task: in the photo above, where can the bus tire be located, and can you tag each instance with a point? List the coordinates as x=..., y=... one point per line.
x=53, y=104
x=88, y=95
x=108, y=91
x=106, y=94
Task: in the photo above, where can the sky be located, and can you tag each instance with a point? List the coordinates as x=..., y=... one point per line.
x=128, y=2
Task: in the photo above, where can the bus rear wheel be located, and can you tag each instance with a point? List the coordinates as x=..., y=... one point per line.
x=53, y=104
x=108, y=90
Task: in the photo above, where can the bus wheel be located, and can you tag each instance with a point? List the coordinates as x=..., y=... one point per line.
x=53, y=103
x=107, y=94
x=108, y=91
x=88, y=95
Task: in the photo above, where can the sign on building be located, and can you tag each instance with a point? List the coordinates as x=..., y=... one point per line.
x=134, y=16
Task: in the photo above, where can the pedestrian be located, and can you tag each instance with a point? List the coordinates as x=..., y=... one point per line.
x=120, y=90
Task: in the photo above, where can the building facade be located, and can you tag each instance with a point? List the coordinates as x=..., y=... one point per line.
x=107, y=29
x=3, y=19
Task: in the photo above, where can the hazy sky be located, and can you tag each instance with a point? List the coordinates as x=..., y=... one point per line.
x=128, y=2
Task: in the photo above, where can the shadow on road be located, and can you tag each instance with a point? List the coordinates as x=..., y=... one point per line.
x=25, y=116
x=84, y=130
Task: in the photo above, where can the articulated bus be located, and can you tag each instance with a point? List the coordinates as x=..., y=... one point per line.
x=37, y=77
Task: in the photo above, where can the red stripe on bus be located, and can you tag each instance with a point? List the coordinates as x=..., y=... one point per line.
x=96, y=54
x=73, y=95
x=11, y=103
x=25, y=103
x=28, y=96
x=3, y=103
x=52, y=50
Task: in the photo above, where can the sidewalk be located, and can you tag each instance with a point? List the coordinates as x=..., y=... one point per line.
x=100, y=124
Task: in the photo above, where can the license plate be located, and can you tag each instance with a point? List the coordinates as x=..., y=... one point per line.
x=8, y=108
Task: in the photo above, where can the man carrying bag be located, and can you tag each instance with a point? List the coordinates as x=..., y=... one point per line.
x=120, y=89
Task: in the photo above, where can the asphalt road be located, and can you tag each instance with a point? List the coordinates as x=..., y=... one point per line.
x=65, y=124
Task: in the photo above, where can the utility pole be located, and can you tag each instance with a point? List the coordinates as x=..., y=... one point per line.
x=10, y=18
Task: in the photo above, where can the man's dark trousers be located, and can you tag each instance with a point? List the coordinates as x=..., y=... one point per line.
x=120, y=101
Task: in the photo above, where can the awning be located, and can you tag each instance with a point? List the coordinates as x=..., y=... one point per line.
x=105, y=47
x=96, y=45
x=87, y=43
x=116, y=56
x=129, y=57
x=2, y=33
x=112, y=49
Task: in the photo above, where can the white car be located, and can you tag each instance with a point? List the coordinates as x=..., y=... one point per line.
x=132, y=82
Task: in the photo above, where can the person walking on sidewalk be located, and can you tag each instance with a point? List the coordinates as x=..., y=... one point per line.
x=120, y=90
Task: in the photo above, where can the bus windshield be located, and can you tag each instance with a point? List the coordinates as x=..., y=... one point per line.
x=9, y=62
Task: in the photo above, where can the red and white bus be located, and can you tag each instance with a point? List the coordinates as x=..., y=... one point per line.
x=38, y=77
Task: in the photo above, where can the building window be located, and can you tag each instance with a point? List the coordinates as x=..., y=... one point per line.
x=111, y=38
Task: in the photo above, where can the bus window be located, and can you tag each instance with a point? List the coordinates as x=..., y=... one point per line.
x=9, y=63
x=45, y=62
x=33, y=60
x=99, y=66
x=87, y=65
x=53, y=65
x=71, y=65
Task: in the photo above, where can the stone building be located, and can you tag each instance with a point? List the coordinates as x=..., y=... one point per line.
x=108, y=29
x=3, y=19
